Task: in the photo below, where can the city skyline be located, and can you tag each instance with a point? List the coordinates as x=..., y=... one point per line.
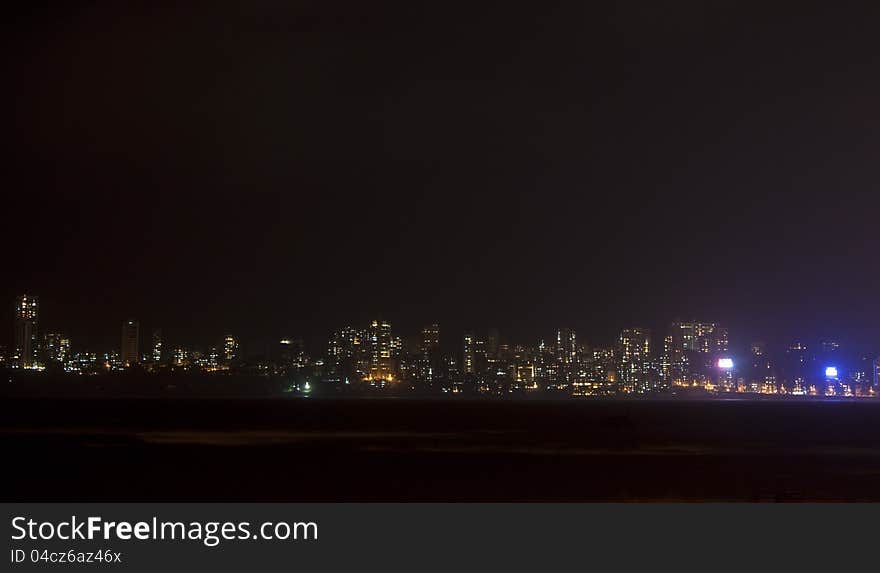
x=687, y=355
x=740, y=344
x=580, y=165
x=374, y=252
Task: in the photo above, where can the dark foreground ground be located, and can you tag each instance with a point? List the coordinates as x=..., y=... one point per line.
x=409, y=450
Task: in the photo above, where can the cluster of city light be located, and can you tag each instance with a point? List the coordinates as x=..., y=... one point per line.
x=694, y=356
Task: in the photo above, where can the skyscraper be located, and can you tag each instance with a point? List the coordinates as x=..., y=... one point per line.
x=157, y=352
x=566, y=346
x=56, y=348
x=666, y=365
x=429, y=350
x=566, y=356
x=634, y=346
x=468, y=350
x=26, y=341
x=130, y=343
x=230, y=348
x=347, y=354
x=693, y=351
x=704, y=337
x=380, y=343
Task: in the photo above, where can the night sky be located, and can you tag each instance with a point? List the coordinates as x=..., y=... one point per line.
x=290, y=168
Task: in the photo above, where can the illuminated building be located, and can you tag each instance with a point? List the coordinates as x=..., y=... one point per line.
x=24, y=354
x=211, y=361
x=230, y=348
x=875, y=364
x=292, y=353
x=634, y=346
x=769, y=385
x=130, y=344
x=430, y=339
x=453, y=374
x=180, y=357
x=666, y=370
x=156, y=352
x=566, y=357
x=480, y=356
x=111, y=360
x=525, y=376
x=797, y=355
x=602, y=368
x=689, y=361
x=380, y=351
x=832, y=381
x=830, y=346
x=566, y=346
x=469, y=358
x=725, y=380
x=493, y=343
x=347, y=355
x=720, y=340
x=704, y=337
x=429, y=353
x=56, y=348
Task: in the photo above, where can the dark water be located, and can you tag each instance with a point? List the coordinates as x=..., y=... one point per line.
x=409, y=450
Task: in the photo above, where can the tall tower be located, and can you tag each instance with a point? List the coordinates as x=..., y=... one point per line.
x=566, y=346
x=158, y=351
x=635, y=368
x=429, y=360
x=230, y=348
x=468, y=363
x=130, y=333
x=56, y=348
x=566, y=355
x=26, y=342
x=380, y=340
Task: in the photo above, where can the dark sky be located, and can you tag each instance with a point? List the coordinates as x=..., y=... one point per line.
x=292, y=167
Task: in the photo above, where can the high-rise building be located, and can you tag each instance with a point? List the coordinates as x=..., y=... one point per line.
x=666, y=363
x=26, y=341
x=430, y=339
x=721, y=340
x=830, y=346
x=130, y=343
x=291, y=353
x=566, y=357
x=230, y=348
x=56, y=348
x=693, y=351
x=634, y=347
x=493, y=342
x=429, y=353
x=157, y=351
x=603, y=371
x=566, y=346
x=469, y=354
x=481, y=355
x=347, y=354
x=704, y=337
x=381, y=347
x=180, y=357
x=876, y=377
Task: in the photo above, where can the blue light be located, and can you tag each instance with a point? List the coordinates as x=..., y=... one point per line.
x=725, y=363
x=831, y=372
